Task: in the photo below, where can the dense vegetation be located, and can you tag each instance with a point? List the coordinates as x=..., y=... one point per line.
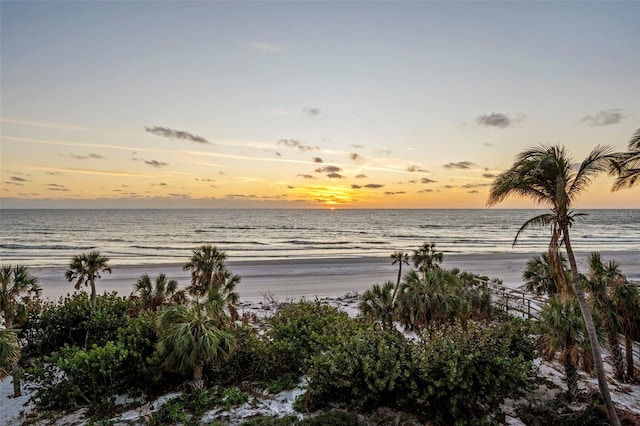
x=428, y=348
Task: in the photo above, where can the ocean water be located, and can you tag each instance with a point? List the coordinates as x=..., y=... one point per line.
x=132, y=237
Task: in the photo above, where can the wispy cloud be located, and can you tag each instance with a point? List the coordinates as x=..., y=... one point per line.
x=354, y=186
x=306, y=176
x=317, y=160
x=87, y=157
x=335, y=176
x=156, y=163
x=166, y=132
x=328, y=169
x=382, y=151
x=416, y=168
x=294, y=143
x=43, y=124
x=426, y=180
x=373, y=185
x=489, y=175
x=361, y=176
x=311, y=112
x=459, y=165
x=605, y=117
x=354, y=156
x=498, y=119
x=18, y=179
x=266, y=47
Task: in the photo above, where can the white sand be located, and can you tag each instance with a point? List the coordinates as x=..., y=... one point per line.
x=296, y=278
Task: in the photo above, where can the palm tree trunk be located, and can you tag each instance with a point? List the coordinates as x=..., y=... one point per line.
x=198, y=382
x=628, y=343
x=93, y=294
x=618, y=360
x=555, y=264
x=395, y=290
x=591, y=330
x=571, y=372
x=16, y=373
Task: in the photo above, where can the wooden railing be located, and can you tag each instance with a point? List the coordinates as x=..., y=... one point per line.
x=525, y=305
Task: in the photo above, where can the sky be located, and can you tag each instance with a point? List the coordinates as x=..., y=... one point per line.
x=306, y=104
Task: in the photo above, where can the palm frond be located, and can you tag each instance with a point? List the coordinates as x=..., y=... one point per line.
x=540, y=221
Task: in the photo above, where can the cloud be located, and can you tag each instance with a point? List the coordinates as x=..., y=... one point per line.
x=487, y=144
x=373, y=185
x=166, y=132
x=156, y=163
x=159, y=184
x=56, y=187
x=335, y=176
x=459, y=165
x=357, y=145
x=474, y=185
x=356, y=186
x=329, y=169
x=472, y=192
x=426, y=180
x=43, y=124
x=498, y=119
x=416, y=168
x=306, y=176
x=394, y=193
x=311, y=112
x=489, y=175
x=426, y=190
x=605, y=117
x=18, y=179
x=354, y=156
x=88, y=156
x=294, y=143
x=266, y=47
x=382, y=151
x=204, y=180
x=317, y=160
x=361, y=176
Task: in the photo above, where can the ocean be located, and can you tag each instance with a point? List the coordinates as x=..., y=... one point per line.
x=45, y=238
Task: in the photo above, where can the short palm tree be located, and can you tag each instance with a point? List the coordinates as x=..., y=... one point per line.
x=192, y=336
x=85, y=268
x=626, y=302
x=399, y=257
x=9, y=351
x=426, y=257
x=562, y=333
x=377, y=305
x=549, y=176
x=626, y=165
x=153, y=295
x=538, y=276
x=207, y=267
x=435, y=299
x=601, y=280
x=18, y=289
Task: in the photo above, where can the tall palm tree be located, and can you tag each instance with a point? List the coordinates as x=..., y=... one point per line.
x=626, y=301
x=192, y=336
x=426, y=258
x=399, y=257
x=601, y=279
x=9, y=351
x=548, y=176
x=18, y=289
x=626, y=165
x=538, y=276
x=85, y=268
x=207, y=267
x=377, y=304
x=161, y=292
x=561, y=331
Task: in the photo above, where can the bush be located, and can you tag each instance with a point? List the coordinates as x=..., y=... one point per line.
x=71, y=322
x=463, y=374
x=365, y=370
x=302, y=329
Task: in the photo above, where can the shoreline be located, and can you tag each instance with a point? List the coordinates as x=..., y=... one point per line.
x=296, y=278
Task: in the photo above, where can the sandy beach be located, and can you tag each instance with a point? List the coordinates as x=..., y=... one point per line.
x=322, y=277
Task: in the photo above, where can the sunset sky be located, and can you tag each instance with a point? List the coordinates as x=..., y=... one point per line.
x=306, y=104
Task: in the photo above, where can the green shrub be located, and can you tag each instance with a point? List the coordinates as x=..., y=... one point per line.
x=364, y=370
x=464, y=373
x=233, y=396
x=302, y=329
